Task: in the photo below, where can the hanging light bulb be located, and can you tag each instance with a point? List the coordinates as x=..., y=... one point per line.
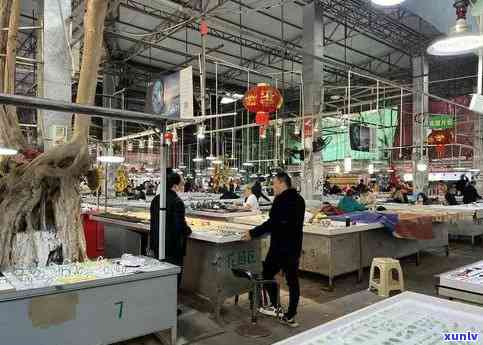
x=217, y=161
x=151, y=142
x=316, y=126
x=370, y=169
x=278, y=131
x=197, y=159
x=141, y=144
x=347, y=164
x=129, y=146
x=200, y=134
x=460, y=39
x=5, y=151
x=296, y=129
x=110, y=157
x=421, y=166
x=210, y=158
x=387, y=2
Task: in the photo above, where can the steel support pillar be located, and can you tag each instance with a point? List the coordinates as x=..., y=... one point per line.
x=56, y=69
x=109, y=126
x=313, y=76
x=420, y=113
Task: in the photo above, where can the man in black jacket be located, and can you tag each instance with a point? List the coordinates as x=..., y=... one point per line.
x=176, y=229
x=285, y=225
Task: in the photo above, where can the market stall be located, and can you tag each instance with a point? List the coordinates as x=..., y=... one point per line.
x=99, y=302
x=406, y=319
x=464, y=283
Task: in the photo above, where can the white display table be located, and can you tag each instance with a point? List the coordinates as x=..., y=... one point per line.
x=406, y=319
x=99, y=311
x=464, y=283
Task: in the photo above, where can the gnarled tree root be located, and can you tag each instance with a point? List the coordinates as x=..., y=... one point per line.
x=43, y=195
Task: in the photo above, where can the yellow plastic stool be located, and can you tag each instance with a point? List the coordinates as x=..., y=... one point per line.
x=385, y=283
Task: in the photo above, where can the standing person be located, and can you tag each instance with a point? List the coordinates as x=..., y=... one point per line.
x=451, y=196
x=177, y=230
x=461, y=184
x=257, y=190
x=470, y=195
x=285, y=224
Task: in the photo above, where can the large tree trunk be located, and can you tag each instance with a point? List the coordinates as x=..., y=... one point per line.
x=40, y=200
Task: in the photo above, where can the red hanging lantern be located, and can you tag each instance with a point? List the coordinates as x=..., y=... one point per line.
x=168, y=138
x=262, y=99
x=440, y=138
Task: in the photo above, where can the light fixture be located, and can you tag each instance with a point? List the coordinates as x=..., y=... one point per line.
x=421, y=166
x=210, y=168
x=316, y=126
x=175, y=135
x=182, y=167
x=337, y=169
x=296, y=130
x=150, y=142
x=210, y=158
x=129, y=146
x=335, y=97
x=197, y=159
x=198, y=171
x=278, y=131
x=387, y=3
x=460, y=39
x=408, y=177
x=200, y=133
x=347, y=164
x=370, y=169
x=231, y=98
x=217, y=161
x=110, y=159
x=141, y=144
x=5, y=151
x=248, y=164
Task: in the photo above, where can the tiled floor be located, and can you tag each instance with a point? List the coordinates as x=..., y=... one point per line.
x=317, y=305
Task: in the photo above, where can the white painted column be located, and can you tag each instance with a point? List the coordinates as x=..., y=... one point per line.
x=56, y=70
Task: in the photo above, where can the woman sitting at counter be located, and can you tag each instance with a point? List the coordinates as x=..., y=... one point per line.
x=349, y=204
x=251, y=201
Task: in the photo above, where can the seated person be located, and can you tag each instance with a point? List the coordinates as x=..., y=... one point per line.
x=422, y=199
x=367, y=198
x=349, y=204
x=399, y=197
x=251, y=201
x=451, y=196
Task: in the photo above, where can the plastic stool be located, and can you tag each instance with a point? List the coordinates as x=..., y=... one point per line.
x=385, y=283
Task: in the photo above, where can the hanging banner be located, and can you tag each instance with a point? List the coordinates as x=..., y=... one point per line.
x=441, y=121
x=171, y=95
x=308, y=128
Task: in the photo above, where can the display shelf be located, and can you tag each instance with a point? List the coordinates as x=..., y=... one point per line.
x=406, y=319
x=74, y=275
x=465, y=283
